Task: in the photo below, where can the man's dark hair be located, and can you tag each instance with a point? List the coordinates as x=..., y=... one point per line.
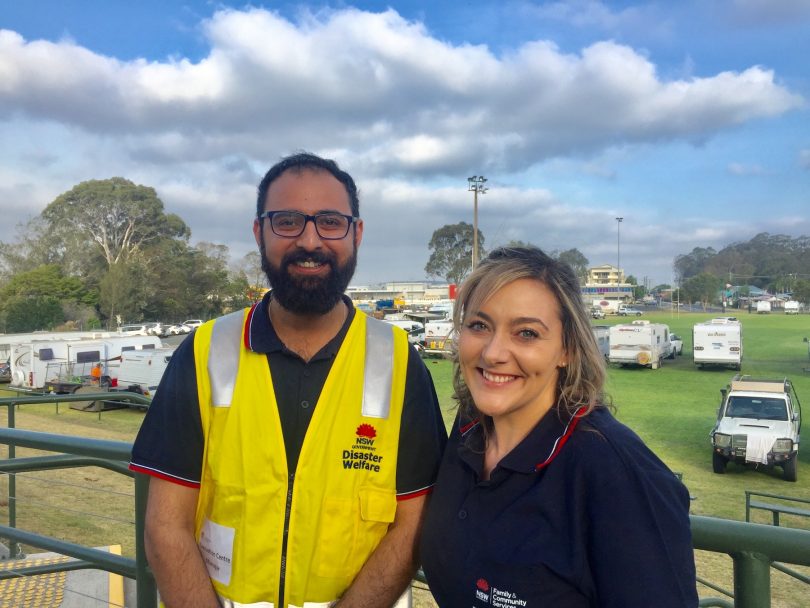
x=305, y=160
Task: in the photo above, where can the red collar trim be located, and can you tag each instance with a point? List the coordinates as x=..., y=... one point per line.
x=248, y=323
x=562, y=439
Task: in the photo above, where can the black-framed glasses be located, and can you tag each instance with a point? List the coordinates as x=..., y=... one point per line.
x=329, y=225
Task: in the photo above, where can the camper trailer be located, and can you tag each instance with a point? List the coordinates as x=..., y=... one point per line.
x=64, y=365
x=763, y=307
x=7, y=340
x=718, y=342
x=439, y=338
x=602, y=335
x=792, y=307
x=640, y=343
x=141, y=370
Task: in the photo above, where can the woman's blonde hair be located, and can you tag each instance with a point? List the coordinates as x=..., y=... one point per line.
x=581, y=381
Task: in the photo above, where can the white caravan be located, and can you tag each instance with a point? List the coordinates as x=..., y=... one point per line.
x=763, y=306
x=718, y=342
x=8, y=340
x=141, y=370
x=640, y=343
x=792, y=307
x=602, y=335
x=439, y=338
x=37, y=363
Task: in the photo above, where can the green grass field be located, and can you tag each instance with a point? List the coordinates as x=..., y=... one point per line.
x=673, y=410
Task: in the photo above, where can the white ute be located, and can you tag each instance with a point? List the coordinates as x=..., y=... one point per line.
x=759, y=421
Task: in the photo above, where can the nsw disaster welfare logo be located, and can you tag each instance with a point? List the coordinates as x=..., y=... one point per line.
x=361, y=455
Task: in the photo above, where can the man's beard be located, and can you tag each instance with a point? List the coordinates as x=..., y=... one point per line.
x=308, y=295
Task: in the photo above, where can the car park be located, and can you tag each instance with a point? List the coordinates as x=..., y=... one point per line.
x=758, y=422
x=677, y=344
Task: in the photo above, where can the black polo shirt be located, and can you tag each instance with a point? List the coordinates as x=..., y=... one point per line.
x=170, y=442
x=580, y=514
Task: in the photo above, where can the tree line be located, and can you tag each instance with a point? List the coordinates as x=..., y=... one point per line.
x=107, y=252
x=777, y=263
x=773, y=262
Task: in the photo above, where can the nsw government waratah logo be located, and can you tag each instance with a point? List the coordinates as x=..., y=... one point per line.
x=482, y=590
x=498, y=598
x=361, y=455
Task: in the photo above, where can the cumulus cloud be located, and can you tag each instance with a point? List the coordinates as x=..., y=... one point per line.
x=390, y=101
x=373, y=81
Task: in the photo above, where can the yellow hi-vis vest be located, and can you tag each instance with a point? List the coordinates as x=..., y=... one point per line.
x=263, y=530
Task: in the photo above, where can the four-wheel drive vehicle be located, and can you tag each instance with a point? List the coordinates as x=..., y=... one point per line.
x=677, y=344
x=626, y=311
x=758, y=421
x=597, y=313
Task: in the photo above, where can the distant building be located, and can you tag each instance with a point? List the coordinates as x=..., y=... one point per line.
x=414, y=293
x=606, y=284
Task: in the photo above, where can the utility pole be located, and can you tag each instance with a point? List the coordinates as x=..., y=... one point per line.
x=475, y=184
x=618, y=250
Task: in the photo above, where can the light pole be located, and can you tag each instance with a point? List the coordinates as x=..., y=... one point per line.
x=618, y=249
x=476, y=186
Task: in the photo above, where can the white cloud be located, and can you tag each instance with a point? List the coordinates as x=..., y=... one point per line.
x=398, y=107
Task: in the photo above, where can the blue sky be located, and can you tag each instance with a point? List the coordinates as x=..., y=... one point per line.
x=687, y=119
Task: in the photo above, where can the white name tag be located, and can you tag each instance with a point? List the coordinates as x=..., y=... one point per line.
x=216, y=547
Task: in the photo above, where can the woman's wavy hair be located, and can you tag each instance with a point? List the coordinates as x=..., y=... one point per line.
x=581, y=381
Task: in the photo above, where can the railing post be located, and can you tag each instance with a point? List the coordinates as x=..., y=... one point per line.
x=752, y=580
x=145, y=581
x=14, y=549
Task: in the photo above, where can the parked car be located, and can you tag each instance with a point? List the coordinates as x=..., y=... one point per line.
x=677, y=344
x=155, y=328
x=626, y=311
x=193, y=323
x=5, y=371
x=597, y=313
x=134, y=329
x=759, y=421
x=177, y=329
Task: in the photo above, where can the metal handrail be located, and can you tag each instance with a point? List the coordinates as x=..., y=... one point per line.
x=752, y=547
x=76, y=452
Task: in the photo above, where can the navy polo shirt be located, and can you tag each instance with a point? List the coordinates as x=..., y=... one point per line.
x=580, y=514
x=170, y=442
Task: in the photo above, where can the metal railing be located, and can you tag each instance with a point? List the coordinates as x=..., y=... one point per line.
x=75, y=452
x=752, y=547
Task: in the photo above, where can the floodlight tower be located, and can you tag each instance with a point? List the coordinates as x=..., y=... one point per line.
x=476, y=185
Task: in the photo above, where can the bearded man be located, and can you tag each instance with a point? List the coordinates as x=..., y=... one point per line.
x=292, y=445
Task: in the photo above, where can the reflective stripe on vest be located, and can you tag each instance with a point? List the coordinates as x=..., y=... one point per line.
x=226, y=344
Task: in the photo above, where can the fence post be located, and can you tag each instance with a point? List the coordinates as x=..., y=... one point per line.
x=752, y=580
x=144, y=581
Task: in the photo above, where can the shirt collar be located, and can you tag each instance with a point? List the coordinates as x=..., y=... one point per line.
x=543, y=443
x=264, y=339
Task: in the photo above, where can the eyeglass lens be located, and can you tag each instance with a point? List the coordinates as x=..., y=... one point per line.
x=328, y=225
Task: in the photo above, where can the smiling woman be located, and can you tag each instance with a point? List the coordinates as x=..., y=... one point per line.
x=543, y=497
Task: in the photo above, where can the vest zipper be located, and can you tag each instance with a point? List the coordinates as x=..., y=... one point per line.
x=287, y=509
